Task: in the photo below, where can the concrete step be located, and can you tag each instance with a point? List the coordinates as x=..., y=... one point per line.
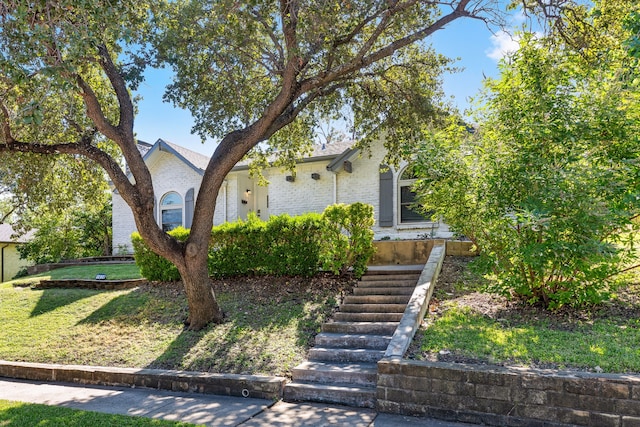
x=373, y=308
x=408, y=290
x=388, y=277
x=387, y=284
x=377, y=299
x=363, y=397
x=345, y=355
x=360, y=374
x=337, y=340
x=380, y=328
x=367, y=317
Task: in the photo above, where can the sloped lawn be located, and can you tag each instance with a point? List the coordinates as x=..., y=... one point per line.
x=29, y=414
x=466, y=325
x=270, y=324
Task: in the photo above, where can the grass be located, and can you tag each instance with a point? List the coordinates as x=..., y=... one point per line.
x=467, y=326
x=269, y=326
x=614, y=346
x=113, y=272
x=29, y=414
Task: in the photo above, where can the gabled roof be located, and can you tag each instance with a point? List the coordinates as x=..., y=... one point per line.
x=198, y=162
x=7, y=235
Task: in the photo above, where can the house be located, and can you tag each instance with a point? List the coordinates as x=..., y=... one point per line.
x=333, y=173
x=10, y=262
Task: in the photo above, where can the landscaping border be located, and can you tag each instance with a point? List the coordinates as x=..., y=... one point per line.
x=255, y=386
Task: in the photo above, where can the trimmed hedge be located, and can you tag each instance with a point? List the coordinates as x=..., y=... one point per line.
x=338, y=240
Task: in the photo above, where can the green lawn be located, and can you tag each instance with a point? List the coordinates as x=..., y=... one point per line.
x=113, y=271
x=467, y=326
x=269, y=326
x=29, y=414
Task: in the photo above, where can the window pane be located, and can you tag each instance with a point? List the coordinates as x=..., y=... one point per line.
x=171, y=199
x=406, y=195
x=409, y=215
x=171, y=218
x=409, y=173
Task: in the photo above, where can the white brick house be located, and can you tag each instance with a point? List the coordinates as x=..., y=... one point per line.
x=335, y=173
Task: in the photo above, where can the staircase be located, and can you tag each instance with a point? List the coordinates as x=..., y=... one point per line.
x=342, y=367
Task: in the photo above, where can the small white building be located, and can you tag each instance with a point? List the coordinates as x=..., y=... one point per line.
x=333, y=173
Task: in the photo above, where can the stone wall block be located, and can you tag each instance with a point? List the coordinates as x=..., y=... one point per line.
x=452, y=387
x=604, y=420
x=627, y=407
x=542, y=382
x=630, y=421
x=493, y=392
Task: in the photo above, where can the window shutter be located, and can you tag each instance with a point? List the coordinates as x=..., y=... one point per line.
x=386, y=196
x=188, y=209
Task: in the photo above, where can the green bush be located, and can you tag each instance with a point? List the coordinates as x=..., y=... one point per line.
x=153, y=266
x=283, y=245
x=338, y=240
x=347, y=238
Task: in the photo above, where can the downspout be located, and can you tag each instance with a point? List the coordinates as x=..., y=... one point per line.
x=2, y=262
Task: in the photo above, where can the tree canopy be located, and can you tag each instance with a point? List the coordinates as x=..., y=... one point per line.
x=249, y=72
x=549, y=183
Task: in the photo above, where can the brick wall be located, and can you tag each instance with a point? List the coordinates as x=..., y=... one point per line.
x=508, y=396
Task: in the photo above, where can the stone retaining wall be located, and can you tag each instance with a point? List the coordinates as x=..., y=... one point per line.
x=413, y=252
x=255, y=386
x=508, y=396
x=90, y=284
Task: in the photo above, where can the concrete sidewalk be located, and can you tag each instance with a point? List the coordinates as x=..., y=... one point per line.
x=210, y=410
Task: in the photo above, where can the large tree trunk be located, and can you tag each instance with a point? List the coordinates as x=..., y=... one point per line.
x=203, y=306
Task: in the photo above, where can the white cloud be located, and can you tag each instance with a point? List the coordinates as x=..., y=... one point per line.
x=502, y=44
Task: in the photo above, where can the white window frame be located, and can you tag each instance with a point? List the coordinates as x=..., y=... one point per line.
x=168, y=207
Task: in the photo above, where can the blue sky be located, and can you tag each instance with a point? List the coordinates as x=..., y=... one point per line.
x=477, y=48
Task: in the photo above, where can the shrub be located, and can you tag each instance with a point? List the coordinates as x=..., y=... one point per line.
x=283, y=245
x=153, y=266
x=339, y=239
x=347, y=238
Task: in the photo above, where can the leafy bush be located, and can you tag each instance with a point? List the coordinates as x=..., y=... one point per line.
x=283, y=245
x=153, y=266
x=339, y=239
x=348, y=238
x=548, y=185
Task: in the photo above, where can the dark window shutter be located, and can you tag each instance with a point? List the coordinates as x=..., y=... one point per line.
x=188, y=209
x=386, y=196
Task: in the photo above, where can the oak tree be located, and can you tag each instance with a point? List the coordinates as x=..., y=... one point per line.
x=250, y=72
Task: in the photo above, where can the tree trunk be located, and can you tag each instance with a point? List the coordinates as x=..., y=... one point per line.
x=203, y=307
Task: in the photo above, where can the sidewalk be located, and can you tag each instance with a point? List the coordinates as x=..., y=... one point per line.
x=210, y=410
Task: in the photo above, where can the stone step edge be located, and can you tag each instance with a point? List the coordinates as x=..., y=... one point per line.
x=255, y=386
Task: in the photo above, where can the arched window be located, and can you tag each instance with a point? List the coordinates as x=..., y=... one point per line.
x=408, y=213
x=171, y=211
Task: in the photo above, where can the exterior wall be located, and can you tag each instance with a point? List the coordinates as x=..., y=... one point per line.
x=169, y=174
x=507, y=396
x=304, y=194
x=123, y=225
x=294, y=198
x=11, y=262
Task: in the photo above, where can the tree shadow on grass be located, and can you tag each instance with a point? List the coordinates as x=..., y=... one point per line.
x=52, y=299
x=139, y=305
x=270, y=324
